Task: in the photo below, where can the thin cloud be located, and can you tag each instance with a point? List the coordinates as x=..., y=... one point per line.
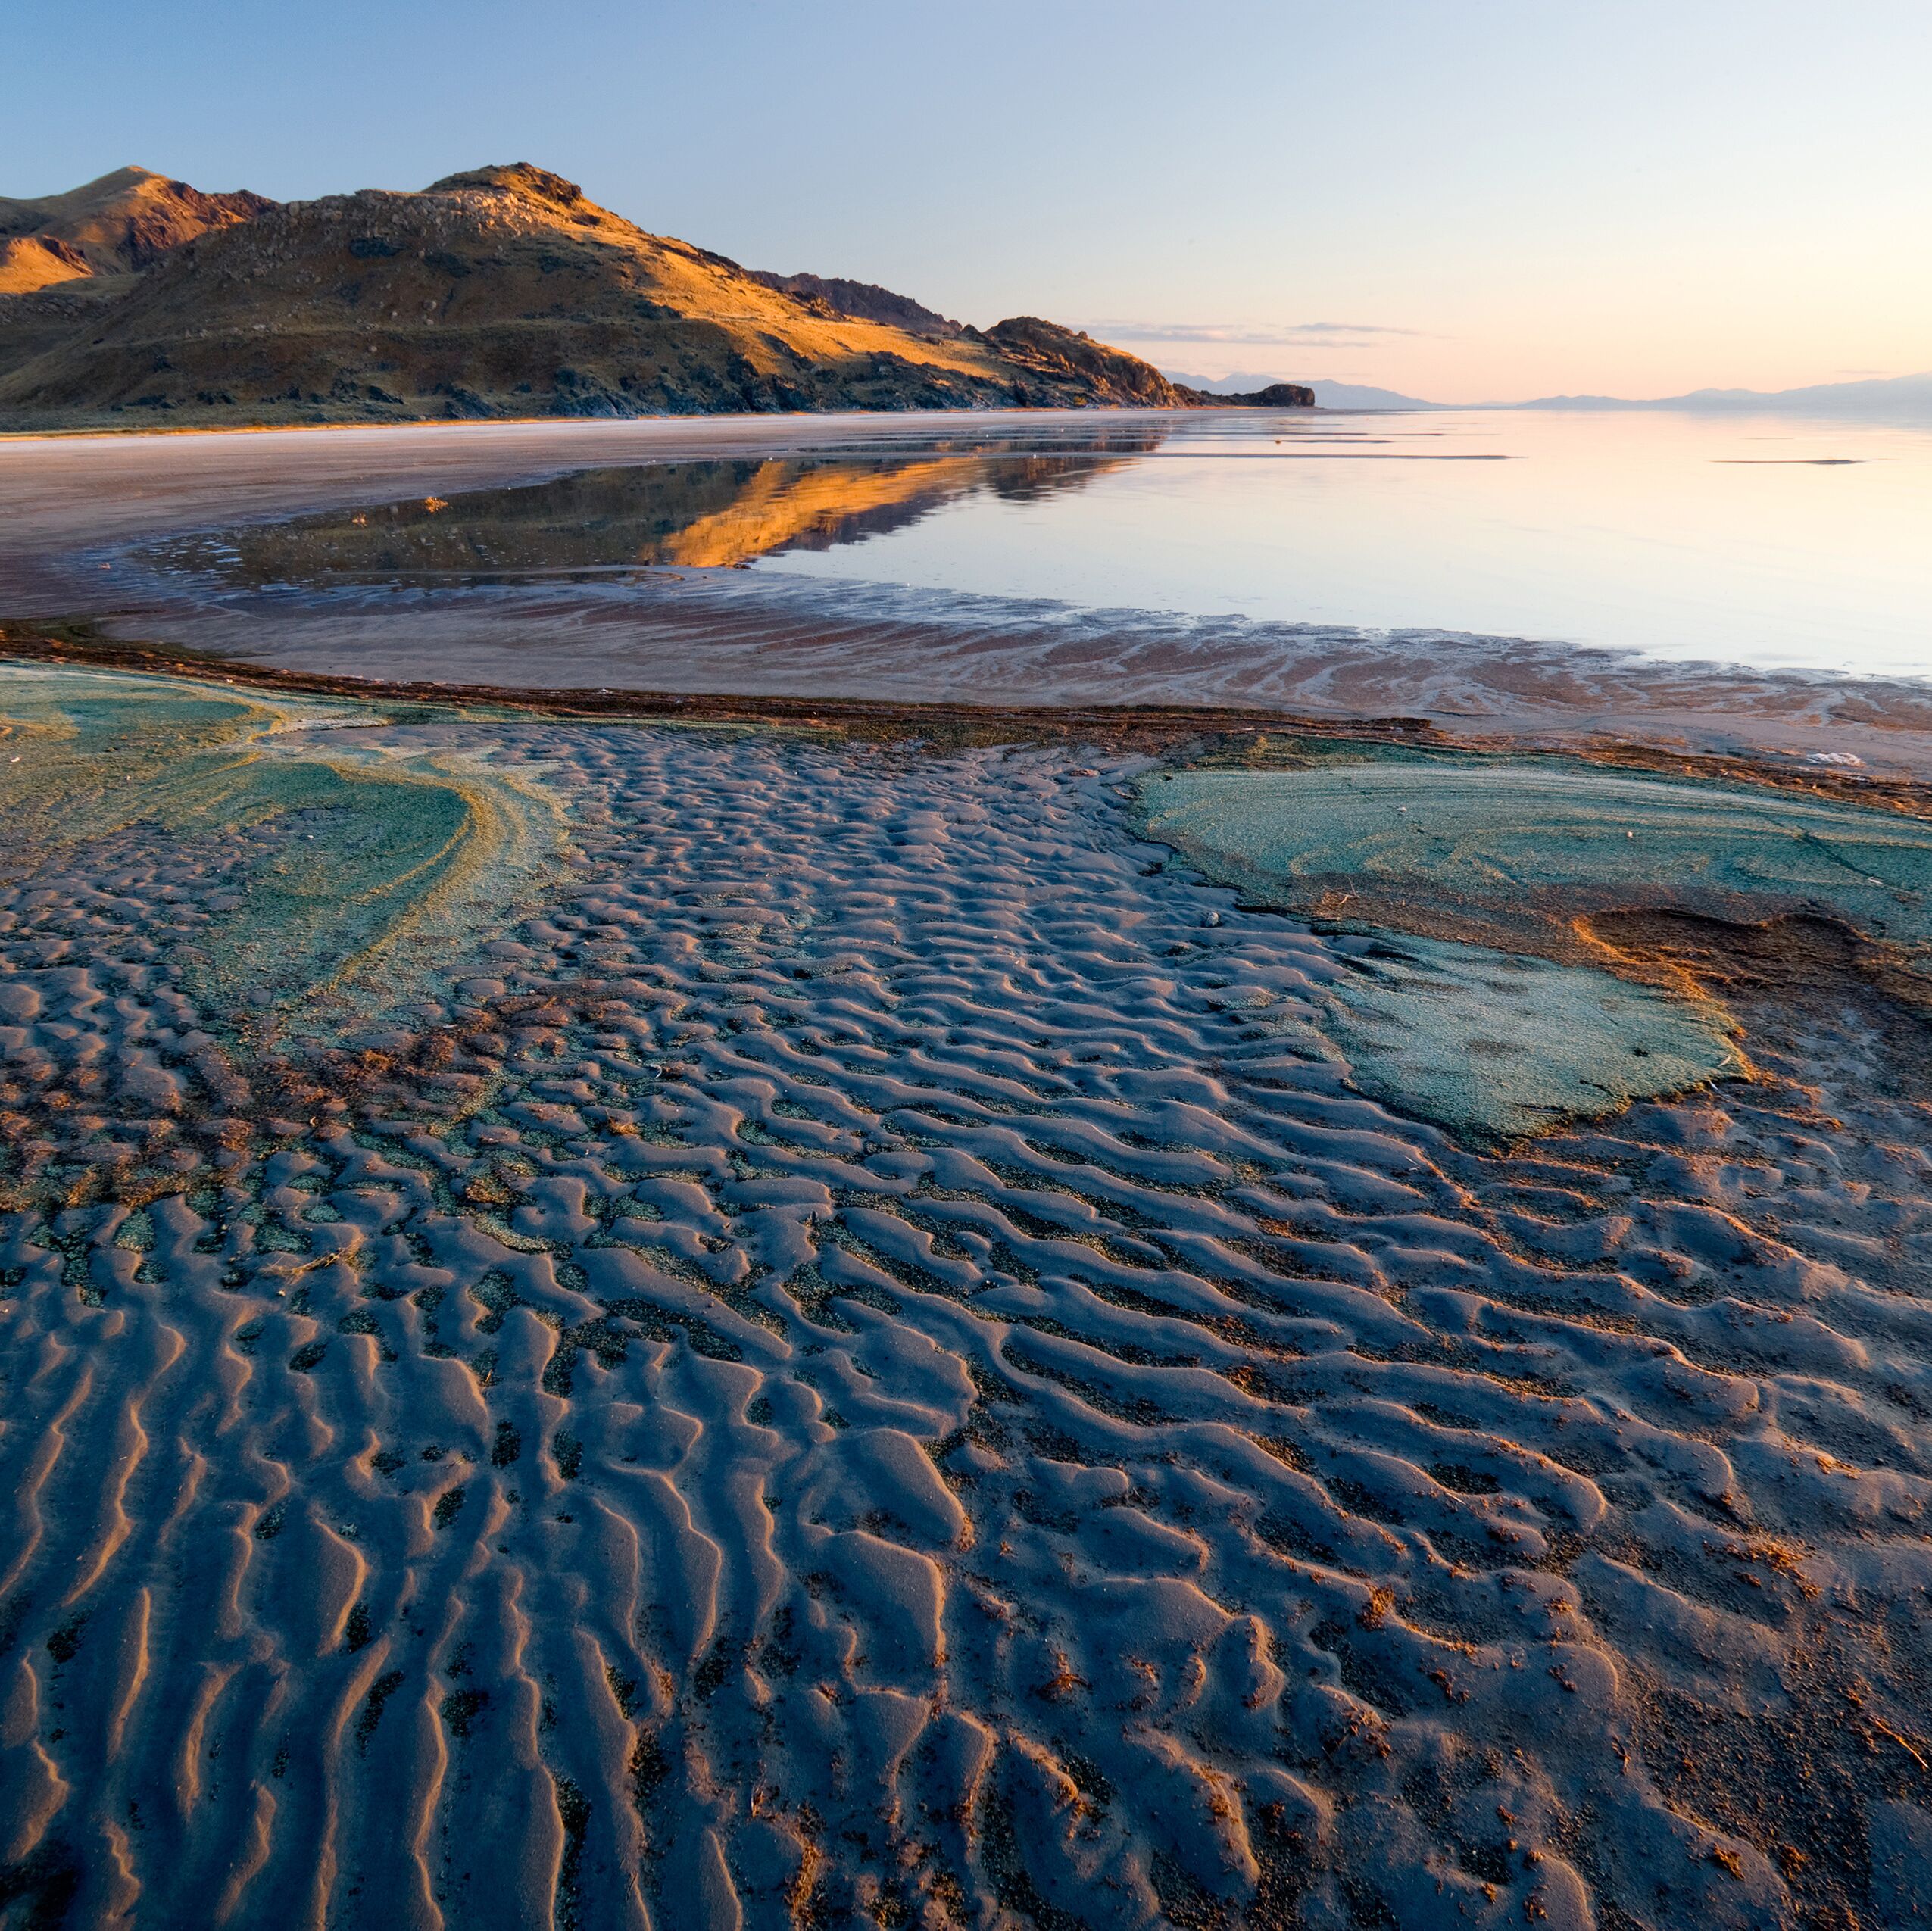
x=1251, y=334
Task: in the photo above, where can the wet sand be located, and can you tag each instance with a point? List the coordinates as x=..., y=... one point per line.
x=865, y=1358
x=839, y=1338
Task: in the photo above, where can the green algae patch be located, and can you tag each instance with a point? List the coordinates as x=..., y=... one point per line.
x=1502, y=1037
x=334, y=862
x=1504, y=842
x=1497, y=1045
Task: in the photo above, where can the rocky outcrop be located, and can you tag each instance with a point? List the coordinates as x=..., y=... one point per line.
x=499, y=292
x=1276, y=395
x=866, y=299
x=1053, y=357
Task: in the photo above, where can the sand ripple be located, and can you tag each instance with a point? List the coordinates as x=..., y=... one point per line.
x=862, y=1368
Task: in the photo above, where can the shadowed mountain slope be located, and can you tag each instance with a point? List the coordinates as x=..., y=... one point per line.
x=1052, y=355
x=866, y=299
x=116, y=226
x=500, y=292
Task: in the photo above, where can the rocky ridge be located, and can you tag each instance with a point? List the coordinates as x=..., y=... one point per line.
x=503, y=291
x=866, y=299
x=118, y=224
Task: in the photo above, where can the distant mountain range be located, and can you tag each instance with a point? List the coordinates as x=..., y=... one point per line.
x=1359, y=395
x=1885, y=398
x=141, y=301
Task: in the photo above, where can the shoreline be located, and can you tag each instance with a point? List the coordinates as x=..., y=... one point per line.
x=723, y=416
x=68, y=506
x=943, y=724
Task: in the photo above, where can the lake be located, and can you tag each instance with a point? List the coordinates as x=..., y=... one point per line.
x=1757, y=541
x=1769, y=542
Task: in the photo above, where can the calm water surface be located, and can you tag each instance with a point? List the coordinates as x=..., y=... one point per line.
x=1758, y=541
x=1765, y=541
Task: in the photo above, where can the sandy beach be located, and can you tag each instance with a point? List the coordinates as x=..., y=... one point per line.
x=841, y=1316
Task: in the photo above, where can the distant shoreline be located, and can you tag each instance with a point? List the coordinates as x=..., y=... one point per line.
x=744, y=416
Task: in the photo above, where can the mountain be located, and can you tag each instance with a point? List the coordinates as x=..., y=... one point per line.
x=1239, y=391
x=65, y=258
x=1062, y=358
x=866, y=299
x=116, y=226
x=1360, y=395
x=1884, y=398
x=502, y=291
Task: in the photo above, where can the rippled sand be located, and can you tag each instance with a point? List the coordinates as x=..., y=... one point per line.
x=867, y=1364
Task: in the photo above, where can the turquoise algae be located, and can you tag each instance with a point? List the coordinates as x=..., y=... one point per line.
x=1494, y=1042
x=348, y=855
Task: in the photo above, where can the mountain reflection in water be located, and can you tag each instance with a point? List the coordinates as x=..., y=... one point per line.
x=697, y=515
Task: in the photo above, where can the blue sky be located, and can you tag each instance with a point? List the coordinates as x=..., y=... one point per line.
x=1462, y=200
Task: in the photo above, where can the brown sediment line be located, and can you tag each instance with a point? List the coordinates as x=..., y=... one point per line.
x=706, y=635
x=1672, y=948
x=1794, y=964
x=1235, y=734
x=1704, y=951
x=1128, y=726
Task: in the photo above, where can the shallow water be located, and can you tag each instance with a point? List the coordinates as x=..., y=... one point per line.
x=1746, y=541
x=704, y=515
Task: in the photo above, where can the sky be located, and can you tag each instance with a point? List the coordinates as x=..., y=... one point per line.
x=1462, y=199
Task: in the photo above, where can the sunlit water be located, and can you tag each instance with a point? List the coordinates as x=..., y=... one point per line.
x=1770, y=542
x=1756, y=541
